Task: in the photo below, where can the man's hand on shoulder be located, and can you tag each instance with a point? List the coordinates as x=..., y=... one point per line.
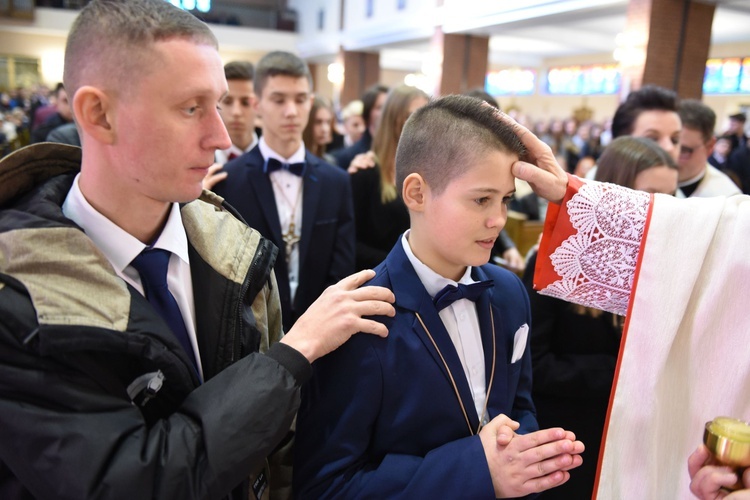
x=338, y=314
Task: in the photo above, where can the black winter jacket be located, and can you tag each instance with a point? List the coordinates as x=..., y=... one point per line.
x=97, y=399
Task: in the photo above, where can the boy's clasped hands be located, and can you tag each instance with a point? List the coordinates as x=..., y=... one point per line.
x=521, y=464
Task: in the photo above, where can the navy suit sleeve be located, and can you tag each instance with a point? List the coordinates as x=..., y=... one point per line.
x=336, y=457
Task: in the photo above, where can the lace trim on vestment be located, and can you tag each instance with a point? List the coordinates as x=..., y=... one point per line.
x=597, y=263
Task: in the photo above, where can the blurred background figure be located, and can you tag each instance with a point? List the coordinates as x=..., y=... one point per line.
x=575, y=348
x=373, y=101
x=379, y=212
x=61, y=115
x=736, y=130
x=238, y=110
x=318, y=133
x=352, y=122
x=697, y=176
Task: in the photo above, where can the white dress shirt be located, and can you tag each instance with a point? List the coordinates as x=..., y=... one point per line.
x=461, y=322
x=287, y=190
x=222, y=155
x=121, y=247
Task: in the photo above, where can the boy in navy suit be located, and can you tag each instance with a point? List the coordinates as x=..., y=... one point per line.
x=296, y=200
x=442, y=407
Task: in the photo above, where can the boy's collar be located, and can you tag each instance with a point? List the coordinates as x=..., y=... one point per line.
x=432, y=281
x=267, y=152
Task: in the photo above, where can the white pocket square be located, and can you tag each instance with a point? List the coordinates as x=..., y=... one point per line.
x=519, y=342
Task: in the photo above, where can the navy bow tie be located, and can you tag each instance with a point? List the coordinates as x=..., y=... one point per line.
x=452, y=293
x=272, y=165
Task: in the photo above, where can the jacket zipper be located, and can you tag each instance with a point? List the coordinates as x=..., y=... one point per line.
x=238, y=345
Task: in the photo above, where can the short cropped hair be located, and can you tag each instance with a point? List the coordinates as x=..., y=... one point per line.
x=369, y=98
x=239, y=70
x=625, y=157
x=697, y=116
x=483, y=95
x=440, y=139
x=279, y=63
x=108, y=44
x=647, y=98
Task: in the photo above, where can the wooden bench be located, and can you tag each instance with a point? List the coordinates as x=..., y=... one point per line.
x=524, y=233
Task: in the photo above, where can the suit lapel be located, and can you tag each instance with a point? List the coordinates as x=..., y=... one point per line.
x=485, y=302
x=411, y=294
x=263, y=191
x=310, y=201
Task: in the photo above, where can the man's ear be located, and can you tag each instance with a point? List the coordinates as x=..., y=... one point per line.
x=94, y=112
x=415, y=192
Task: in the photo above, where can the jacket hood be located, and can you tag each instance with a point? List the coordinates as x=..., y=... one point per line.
x=27, y=167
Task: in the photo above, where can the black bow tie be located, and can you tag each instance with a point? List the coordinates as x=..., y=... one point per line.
x=452, y=293
x=272, y=165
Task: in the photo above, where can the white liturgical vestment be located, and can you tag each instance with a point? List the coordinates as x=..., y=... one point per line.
x=680, y=271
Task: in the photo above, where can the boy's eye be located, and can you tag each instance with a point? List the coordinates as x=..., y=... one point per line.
x=508, y=199
x=482, y=201
x=191, y=110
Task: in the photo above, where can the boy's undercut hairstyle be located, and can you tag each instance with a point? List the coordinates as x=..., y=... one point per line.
x=483, y=95
x=239, y=70
x=109, y=43
x=440, y=139
x=697, y=116
x=647, y=98
x=279, y=63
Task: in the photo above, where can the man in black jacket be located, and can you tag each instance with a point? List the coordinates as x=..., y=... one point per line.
x=141, y=353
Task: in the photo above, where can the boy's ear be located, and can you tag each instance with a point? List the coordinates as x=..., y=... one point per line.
x=415, y=192
x=94, y=112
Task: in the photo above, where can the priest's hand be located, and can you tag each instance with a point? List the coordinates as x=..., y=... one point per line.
x=338, y=314
x=545, y=176
x=708, y=480
x=529, y=463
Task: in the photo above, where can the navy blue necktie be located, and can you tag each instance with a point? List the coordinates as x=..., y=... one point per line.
x=152, y=264
x=272, y=165
x=452, y=293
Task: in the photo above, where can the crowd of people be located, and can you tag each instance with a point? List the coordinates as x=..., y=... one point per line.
x=216, y=305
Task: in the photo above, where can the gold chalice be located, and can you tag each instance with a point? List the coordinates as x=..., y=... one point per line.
x=728, y=439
